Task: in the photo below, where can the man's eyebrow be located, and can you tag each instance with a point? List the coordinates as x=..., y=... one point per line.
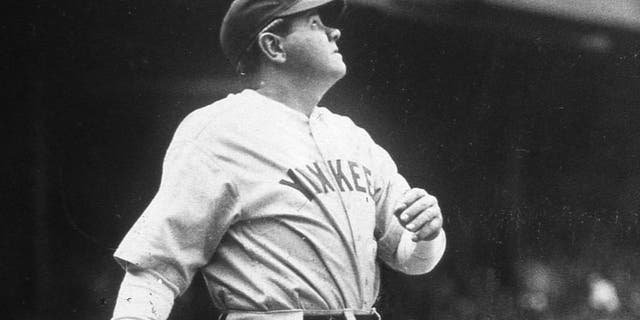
x=311, y=13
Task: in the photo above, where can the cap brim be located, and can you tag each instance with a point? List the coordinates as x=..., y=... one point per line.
x=301, y=6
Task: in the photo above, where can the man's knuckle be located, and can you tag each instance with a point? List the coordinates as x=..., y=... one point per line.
x=423, y=205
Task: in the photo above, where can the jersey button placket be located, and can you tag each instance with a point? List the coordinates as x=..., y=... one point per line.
x=320, y=134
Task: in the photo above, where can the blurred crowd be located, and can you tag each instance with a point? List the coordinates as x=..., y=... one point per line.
x=589, y=287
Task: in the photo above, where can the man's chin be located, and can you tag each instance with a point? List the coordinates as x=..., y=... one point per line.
x=340, y=72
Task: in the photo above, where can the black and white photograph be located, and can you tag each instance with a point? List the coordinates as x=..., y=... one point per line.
x=321, y=160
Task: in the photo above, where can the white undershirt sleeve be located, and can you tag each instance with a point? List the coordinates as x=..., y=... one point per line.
x=419, y=257
x=144, y=295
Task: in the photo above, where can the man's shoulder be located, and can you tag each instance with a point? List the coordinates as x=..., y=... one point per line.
x=337, y=119
x=343, y=123
x=214, y=117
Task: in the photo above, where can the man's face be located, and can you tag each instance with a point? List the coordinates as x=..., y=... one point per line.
x=311, y=48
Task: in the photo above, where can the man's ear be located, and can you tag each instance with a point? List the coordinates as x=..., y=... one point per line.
x=271, y=46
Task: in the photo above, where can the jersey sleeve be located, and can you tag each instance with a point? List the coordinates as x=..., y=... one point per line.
x=184, y=223
x=395, y=247
x=389, y=187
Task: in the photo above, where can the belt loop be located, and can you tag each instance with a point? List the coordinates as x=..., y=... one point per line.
x=348, y=315
x=375, y=312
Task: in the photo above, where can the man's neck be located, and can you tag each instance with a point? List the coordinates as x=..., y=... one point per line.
x=297, y=94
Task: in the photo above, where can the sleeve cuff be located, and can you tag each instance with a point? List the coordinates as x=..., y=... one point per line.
x=421, y=257
x=144, y=295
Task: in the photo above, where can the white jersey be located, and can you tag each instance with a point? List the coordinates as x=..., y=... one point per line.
x=279, y=211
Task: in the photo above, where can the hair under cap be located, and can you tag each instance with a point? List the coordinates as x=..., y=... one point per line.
x=246, y=18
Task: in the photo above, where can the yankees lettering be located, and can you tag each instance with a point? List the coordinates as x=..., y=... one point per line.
x=322, y=184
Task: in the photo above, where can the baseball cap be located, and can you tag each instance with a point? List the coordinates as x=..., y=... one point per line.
x=246, y=18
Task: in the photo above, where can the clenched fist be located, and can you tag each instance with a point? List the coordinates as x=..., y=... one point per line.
x=418, y=212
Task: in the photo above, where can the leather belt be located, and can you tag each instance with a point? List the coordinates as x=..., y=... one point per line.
x=340, y=317
x=299, y=314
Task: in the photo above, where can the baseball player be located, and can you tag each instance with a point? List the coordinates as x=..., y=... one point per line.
x=284, y=207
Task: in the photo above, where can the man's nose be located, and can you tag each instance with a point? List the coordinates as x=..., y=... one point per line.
x=333, y=34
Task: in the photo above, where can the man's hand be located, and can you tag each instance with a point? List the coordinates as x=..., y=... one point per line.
x=419, y=213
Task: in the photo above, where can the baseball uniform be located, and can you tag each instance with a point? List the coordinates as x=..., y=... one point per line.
x=279, y=211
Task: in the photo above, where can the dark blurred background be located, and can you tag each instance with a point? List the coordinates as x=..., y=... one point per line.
x=520, y=116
